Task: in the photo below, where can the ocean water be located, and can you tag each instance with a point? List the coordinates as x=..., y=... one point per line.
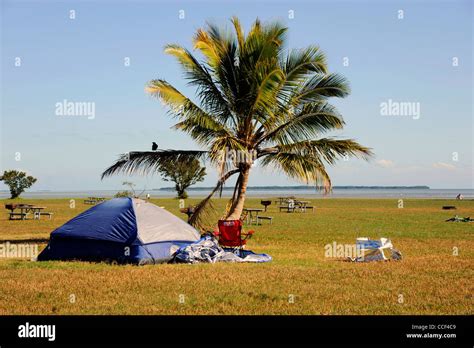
x=310, y=193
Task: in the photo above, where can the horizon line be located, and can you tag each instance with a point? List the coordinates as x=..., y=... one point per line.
x=257, y=187
x=422, y=187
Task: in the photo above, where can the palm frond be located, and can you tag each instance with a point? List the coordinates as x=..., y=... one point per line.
x=298, y=66
x=208, y=91
x=220, y=48
x=304, y=160
x=146, y=162
x=167, y=94
x=227, y=73
x=203, y=42
x=201, y=211
x=311, y=121
x=328, y=149
x=195, y=121
x=239, y=33
x=309, y=170
x=266, y=92
x=204, y=128
x=323, y=86
x=300, y=63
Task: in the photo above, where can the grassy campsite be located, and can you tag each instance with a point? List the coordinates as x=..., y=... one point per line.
x=435, y=276
x=248, y=98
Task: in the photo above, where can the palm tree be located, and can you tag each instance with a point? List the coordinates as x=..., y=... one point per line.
x=255, y=99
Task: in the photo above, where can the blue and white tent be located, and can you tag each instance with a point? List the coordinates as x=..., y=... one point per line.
x=124, y=230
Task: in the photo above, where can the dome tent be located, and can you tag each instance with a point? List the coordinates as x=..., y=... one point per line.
x=124, y=230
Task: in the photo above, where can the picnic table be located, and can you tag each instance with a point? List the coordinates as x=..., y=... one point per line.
x=252, y=215
x=281, y=200
x=289, y=206
x=25, y=209
x=293, y=205
x=302, y=205
x=94, y=200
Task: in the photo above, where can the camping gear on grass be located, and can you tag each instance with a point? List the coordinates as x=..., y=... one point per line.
x=460, y=219
x=230, y=234
x=375, y=250
x=207, y=249
x=122, y=230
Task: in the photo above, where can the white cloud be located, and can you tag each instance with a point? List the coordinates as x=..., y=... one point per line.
x=385, y=163
x=442, y=165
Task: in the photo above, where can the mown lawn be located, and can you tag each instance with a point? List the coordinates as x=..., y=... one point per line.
x=431, y=279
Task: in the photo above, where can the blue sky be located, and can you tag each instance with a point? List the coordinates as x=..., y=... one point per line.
x=82, y=60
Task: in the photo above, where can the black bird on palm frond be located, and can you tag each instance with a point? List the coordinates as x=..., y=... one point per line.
x=154, y=146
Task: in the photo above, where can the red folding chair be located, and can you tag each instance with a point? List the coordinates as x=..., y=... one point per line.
x=230, y=234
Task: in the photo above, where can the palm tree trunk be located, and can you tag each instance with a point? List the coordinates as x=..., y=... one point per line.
x=238, y=206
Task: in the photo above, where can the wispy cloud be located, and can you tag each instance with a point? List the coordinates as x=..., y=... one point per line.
x=442, y=165
x=385, y=163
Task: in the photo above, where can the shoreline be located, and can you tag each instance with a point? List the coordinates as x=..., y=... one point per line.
x=469, y=198
x=370, y=193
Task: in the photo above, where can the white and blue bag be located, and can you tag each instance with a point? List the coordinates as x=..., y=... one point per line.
x=375, y=250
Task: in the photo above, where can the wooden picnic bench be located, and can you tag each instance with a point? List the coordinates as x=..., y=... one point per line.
x=252, y=215
x=303, y=206
x=269, y=218
x=22, y=216
x=288, y=208
x=25, y=210
x=46, y=213
x=296, y=205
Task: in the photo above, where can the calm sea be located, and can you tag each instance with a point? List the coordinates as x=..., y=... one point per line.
x=337, y=193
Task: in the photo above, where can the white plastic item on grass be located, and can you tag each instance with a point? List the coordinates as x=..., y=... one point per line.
x=375, y=250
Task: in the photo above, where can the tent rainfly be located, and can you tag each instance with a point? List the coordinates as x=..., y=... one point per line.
x=122, y=230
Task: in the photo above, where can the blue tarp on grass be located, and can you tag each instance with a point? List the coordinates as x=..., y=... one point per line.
x=207, y=249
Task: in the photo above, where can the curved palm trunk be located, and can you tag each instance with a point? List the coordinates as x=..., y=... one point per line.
x=238, y=206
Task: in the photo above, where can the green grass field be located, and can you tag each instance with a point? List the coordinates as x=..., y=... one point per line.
x=431, y=279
